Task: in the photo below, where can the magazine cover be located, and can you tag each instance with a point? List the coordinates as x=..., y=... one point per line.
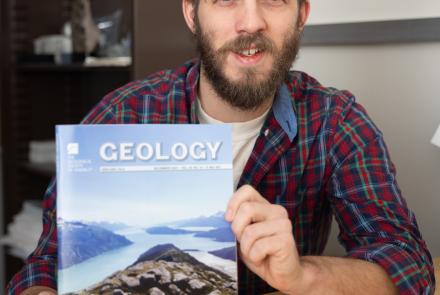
x=140, y=209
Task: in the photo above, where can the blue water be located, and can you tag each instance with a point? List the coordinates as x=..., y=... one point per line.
x=94, y=270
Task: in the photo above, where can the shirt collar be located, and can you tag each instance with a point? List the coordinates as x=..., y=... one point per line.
x=284, y=113
x=282, y=107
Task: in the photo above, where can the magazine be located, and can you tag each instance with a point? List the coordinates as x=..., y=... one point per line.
x=140, y=209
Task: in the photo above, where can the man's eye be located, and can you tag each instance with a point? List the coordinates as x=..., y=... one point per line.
x=225, y=2
x=275, y=2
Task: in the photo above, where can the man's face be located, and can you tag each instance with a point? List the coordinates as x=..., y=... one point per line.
x=247, y=47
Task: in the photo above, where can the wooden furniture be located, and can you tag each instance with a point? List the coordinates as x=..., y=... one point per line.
x=36, y=97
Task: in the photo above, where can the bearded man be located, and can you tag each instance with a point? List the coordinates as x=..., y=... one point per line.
x=302, y=153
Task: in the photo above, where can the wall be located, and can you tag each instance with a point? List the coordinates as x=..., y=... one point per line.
x=159, y=44
x=324, y=11
x=398, y=84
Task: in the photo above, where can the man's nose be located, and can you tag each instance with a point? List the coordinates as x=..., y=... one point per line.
x=250, y=18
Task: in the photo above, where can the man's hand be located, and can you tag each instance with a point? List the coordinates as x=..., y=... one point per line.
x=266, y=243
x=267, y=247
x=39, y=290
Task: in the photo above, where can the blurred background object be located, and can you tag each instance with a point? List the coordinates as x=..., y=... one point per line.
x=24, y=231
x=85, y=34
x=55, y=46
x=436, y=138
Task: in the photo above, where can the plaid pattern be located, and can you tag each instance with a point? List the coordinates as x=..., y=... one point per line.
x=336, y=165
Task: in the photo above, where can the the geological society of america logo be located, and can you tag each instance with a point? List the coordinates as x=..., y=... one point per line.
x=73, y=148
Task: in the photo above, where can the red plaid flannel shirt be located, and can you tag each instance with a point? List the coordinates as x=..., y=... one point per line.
x=335, y=164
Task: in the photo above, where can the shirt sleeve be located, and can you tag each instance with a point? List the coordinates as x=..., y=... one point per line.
x=374, y=221
x=41, y=265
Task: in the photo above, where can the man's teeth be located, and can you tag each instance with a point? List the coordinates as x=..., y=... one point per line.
x=249, y=52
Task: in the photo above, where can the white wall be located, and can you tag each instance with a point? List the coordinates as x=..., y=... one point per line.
x=336, y=11
x=399, y=86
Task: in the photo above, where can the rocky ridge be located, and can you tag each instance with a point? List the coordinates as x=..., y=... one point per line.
x=165, y=269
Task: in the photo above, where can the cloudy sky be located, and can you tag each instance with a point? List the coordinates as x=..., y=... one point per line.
x=141, y=198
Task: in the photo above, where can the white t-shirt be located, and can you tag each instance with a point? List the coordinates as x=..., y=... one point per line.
x=244, y=135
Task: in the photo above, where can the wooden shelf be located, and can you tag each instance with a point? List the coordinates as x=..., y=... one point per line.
x=37, y=94
x=36, y=67
x=43, y=169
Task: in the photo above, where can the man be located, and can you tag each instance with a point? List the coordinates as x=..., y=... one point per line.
x=302, y=152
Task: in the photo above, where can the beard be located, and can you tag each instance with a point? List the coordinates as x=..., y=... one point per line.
x=249, y=91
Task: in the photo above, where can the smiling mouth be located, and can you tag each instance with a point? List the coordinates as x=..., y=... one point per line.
x=249, y=52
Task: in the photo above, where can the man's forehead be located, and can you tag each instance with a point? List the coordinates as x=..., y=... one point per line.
x=214, y=1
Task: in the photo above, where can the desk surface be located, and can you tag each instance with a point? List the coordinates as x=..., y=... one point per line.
x=437, y=276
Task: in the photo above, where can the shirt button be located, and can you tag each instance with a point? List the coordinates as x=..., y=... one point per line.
x=266, y=132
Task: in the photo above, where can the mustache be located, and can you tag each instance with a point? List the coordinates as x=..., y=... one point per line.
x=244, y=42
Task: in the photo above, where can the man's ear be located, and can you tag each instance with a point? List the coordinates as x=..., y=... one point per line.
x=304, y=12
x=189, y=11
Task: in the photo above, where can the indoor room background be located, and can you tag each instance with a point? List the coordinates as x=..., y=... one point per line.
x=394, y=75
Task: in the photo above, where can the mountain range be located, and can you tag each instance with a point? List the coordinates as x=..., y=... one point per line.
x=81, y=242
x=229, y=253
x=165, y=230
x=216, y=220
x=223, y=234
x=111, y=226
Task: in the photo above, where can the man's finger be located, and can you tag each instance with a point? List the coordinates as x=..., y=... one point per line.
x=254, y=212
x=257, y=231
x=275, y=246
x=246, y=193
